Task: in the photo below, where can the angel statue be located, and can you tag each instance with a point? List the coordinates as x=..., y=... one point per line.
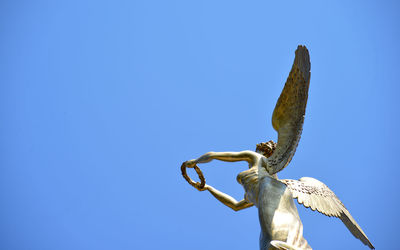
x=281, y=227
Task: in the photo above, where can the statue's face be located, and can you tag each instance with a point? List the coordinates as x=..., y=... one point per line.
x=261, y=152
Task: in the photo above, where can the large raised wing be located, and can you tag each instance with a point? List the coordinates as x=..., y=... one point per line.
x=316, y=195
x=288, y=116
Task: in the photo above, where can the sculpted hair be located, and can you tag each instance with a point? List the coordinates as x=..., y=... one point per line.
x=266, y=148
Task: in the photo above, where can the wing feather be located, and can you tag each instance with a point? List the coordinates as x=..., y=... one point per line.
x=312, y=202
x=314, y=194
x=288, y=115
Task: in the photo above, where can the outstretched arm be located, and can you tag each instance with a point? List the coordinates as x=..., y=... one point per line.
x=228, y=200
x=249, y=156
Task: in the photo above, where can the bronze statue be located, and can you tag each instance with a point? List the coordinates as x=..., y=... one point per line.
x=281, y=227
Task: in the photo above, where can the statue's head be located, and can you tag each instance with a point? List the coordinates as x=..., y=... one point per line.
x=266, y=148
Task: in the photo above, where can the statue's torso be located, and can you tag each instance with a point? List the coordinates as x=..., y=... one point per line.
x=279, y=219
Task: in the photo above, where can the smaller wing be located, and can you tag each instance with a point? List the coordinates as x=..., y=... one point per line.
x=316, y=195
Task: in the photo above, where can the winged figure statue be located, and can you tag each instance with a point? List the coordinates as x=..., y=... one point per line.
x=281, y=227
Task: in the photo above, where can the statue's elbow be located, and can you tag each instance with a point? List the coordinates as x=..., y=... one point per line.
x=236, y=208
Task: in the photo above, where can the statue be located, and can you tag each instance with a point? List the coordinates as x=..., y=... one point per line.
x=281, y=227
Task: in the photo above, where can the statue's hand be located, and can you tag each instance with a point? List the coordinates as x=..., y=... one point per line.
x=190, y=164
x=202, y=189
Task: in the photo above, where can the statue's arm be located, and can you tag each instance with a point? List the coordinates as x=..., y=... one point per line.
x=247, y=155
x=228, y=200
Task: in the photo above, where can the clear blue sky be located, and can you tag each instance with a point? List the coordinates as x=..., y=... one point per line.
x=101, y=102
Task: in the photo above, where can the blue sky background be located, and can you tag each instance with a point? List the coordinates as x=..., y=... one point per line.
x=101, y=102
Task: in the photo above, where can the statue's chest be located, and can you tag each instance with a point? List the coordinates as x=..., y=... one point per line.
x=249, y=179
